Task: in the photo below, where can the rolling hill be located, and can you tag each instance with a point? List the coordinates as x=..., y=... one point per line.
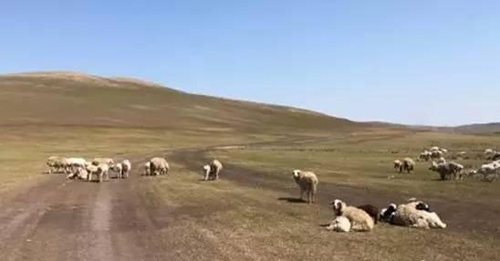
x=73, y=99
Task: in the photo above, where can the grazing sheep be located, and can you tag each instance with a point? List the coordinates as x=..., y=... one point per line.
x=147, y=168
x=118, y=168
x=158, y=166
x=436, y=154
x=397, y=164
x=308, y=183
x=108, y=161
x=409, y=215
x=56, y=164
x=443, y=169
x=426, y=155
x=212, y=170
x=360, y=220
x=490, y=168
x=340, y=224
x=102, y=171
x=408, y=165
x=370, y=210
x=456, y=168
x=126, y=168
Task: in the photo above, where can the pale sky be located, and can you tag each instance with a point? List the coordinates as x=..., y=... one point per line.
x=414, y=62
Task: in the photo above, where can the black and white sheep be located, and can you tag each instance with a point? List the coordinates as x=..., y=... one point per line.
x=417, y=215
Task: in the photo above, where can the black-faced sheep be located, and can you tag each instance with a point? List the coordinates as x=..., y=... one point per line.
x=212, y=170
x=308, y=183
x=360, y=220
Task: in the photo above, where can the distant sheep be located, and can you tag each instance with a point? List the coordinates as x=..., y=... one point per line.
x=126, y=168
x=436, y=154
x=158, y=166
x=102, y=171
x=360, y=220
x=307, y=182
x=408, y=165
x=212, y=170
x=57, y=164
x=147, y=168
x=447, y=170
x=108, y=161
x=397, y=164
x=426, y=155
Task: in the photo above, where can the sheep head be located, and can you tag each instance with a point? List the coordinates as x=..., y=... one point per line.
x=296, y=173
x=338, y=206
x=422, y=206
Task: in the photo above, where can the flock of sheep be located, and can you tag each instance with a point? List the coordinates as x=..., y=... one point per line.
x=450, y=170
x=346, y=218
x=363, y=218
x=79, y=168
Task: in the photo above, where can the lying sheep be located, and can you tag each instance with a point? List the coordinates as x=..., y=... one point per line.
x=212, y=170
x=371, y=210
x=158, y=166
x=308, y=183
x=57, y=164
x=359, y=219
x=80, y=173
x=409, y=215
x=387, y=214
x=397, y=164
x=340, y=224
x=408, y=165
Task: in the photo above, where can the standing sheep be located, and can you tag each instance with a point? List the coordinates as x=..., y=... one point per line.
x=147, y=168
x=360, y=220
x=408, y=165
x=158, y=166
x=212, y=170
x=397, y=164
x=56, y=164
x=426, y=155
x=308, y=183
x=108, y=161
x=126, y=168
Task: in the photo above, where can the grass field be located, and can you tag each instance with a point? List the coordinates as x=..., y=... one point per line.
x=252, y=212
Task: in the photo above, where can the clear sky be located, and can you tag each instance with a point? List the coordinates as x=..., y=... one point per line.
x=417, y=62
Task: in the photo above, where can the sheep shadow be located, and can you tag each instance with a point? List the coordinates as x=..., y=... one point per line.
x=292, y=200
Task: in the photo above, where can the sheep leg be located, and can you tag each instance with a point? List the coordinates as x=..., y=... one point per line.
x=216, y=174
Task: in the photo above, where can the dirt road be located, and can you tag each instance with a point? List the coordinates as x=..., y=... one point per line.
x=72, y=220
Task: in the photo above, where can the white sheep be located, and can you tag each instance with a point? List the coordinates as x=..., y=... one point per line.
x=446, y=170
x=102, y=171
x=126, y=168
x=397, y=164
x=360, y=220
x=408, y=165
x=118, y=168
x=212, y=170
x=426, y=155
x=147, y=168
x=409, y=215
x=340, y=224
x=56, y=164
x=158, y=166
x=108, y=161
x=308, y=183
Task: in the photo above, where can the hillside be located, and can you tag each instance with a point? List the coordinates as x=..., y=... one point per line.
x=72, y=99
x=481, y=128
